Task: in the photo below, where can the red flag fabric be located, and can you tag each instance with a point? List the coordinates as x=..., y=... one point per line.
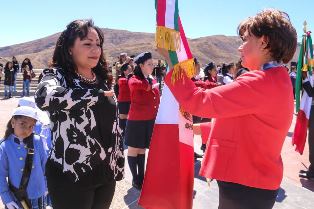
x=169, y=178
x=205, y=130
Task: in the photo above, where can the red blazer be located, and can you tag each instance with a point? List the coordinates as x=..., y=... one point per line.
x=144, y=99
x=205, y=84
x=124, y=90
x=253, y=115
x=212, y=79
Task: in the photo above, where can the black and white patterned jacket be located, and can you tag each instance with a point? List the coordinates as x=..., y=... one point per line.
x=85, y=133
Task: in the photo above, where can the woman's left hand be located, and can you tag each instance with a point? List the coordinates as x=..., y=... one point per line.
x=109, y=93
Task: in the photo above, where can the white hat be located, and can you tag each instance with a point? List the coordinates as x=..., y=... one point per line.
x=30, y=102
x=26, y=111
x=27, y=101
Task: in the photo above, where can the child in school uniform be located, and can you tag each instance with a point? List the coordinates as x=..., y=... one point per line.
x=18, y=145
x=42, y=126
x=124, y=99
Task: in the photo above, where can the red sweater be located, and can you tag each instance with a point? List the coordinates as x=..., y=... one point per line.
x=144, y=99
x=253, y=115
x=124, y=90
x=204, y=84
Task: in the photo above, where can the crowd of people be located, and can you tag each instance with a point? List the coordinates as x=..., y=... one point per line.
x=93, y=110
x=9, y=72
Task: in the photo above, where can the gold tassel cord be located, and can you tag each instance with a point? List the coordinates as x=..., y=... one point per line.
x=187, y=66
x=305, y=68
x=167, y=38
x=311, y=63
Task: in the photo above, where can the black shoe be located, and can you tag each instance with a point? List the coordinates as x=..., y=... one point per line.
x=197, y=155
x=306, y=174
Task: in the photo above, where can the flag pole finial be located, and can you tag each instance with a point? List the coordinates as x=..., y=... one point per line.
x=305, y=26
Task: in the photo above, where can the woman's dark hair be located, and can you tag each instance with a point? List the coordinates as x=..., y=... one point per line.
x=61, y=56
x=196, y=61
x=26, y=59
x=138, y=72
x=209, y=67
x=123, y=68
x=29, y=63
x=280, y=34
x=9, y=130
x=141, y=59
x=239, y=64
x=6, y=67
x=226, y=67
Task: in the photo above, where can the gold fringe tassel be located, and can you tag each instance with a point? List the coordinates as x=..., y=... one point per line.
x=167, y=38
x=188, y=66
x=305, y=68
x=311, y=62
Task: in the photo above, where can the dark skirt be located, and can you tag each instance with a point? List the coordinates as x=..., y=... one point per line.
x=138, y=133
x=124, y=107
x=237, y=196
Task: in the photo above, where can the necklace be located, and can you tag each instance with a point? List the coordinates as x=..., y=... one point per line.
x=86, y=80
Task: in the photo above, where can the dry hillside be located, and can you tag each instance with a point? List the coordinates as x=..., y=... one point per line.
x=216, y=48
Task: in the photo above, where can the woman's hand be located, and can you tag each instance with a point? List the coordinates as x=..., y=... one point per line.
x=155, y=86
x=109, y=93
x=304, y=75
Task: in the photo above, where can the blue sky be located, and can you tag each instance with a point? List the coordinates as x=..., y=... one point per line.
x=26, y=20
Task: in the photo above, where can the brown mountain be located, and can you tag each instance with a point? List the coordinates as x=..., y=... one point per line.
x=218, y=48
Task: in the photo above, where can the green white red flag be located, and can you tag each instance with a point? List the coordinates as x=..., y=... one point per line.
x=169, y=177
x=305, y=63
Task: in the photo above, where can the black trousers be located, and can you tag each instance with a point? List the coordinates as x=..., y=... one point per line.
x=311, y=140
x=236, y=196
x=70, y=197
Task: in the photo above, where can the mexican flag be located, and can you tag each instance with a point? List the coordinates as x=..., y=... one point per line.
x=305, y=63
x=169, y=177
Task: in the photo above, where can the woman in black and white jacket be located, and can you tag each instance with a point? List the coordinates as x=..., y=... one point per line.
x=87, y=154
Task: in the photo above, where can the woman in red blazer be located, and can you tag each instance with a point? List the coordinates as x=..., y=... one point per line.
x=144, y=92
x=253, y=114
x=124, y=99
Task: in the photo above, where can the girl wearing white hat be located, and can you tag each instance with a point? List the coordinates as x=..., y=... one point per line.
x=22, y=162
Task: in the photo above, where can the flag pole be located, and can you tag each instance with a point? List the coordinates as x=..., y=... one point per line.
x=300, y=68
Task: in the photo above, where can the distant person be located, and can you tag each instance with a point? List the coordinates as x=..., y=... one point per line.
x=210, y=72
x=124, y=99
x=228, y=72
x=8, y=80
x=116, y=70
x=28, y=62
x=50, y=66
x=122, y=59
x=27, y=77
x=16, y=70
x=159, y=73
x=240, y=69
x=1, y=72
x=293, y=75
x=130, y=60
